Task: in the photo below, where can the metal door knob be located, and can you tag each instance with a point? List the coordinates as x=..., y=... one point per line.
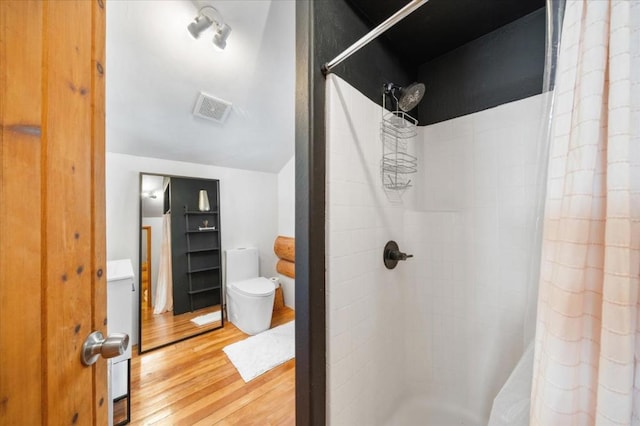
x=96, y=346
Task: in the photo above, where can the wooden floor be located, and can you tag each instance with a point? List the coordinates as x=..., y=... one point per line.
x=194, y=383
x=159, y=329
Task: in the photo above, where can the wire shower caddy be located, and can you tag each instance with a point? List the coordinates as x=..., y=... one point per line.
x=397, y=129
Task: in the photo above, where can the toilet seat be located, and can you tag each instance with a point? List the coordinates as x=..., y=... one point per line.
x=254, y=287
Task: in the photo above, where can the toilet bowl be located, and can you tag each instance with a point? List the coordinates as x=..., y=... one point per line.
x=249, y=296
x=250, y=304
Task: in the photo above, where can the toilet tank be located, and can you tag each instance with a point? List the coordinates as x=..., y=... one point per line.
x=242, y=264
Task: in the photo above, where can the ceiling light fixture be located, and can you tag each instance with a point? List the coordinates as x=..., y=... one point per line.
x=220, y=39
x=209, y=16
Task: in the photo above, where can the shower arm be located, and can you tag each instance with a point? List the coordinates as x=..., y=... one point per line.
x=390, y=89
x=373, y=34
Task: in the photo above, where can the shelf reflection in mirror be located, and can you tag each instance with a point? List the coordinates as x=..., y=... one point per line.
x=180, y=260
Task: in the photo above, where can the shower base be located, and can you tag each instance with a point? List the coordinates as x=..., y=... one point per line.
x=425, y=411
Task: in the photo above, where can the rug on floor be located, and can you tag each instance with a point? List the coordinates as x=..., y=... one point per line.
x=258, y=354
x=207, y=318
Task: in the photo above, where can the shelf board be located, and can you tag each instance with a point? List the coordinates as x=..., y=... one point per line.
x=203, y=250
x=203, y=290
x=196, y=231
x=209, y=268
x=199, y=212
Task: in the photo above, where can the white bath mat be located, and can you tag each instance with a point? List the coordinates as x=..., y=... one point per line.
x=260, y=353
x=207, y=318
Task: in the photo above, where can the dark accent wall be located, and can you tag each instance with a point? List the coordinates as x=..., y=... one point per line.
x=184, y=193
x=440, y=26
x=502, y=66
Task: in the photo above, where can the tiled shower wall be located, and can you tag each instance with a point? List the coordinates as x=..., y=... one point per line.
x=365, y=333
x=473, y=231
x=448, y=323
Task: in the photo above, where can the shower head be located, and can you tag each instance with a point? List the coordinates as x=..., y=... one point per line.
x=409, y=97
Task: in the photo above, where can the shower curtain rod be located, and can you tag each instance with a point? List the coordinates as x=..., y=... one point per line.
x=373, y=34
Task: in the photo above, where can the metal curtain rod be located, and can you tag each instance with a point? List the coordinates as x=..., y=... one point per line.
x=373, y=34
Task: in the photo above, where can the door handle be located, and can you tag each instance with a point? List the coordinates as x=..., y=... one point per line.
x=96, y=346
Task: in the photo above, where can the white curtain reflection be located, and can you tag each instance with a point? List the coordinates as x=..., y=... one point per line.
x=164, y=295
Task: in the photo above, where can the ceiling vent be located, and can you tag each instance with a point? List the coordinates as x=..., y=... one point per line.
x=211, y=108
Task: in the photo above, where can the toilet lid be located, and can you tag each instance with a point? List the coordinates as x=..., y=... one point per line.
x=255, y=287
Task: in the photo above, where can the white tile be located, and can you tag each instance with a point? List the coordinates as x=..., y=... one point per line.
x=340, y=242
x=441, y=131
x=340, y=294
x=336, y=393
x=339, y=347
x=339, y=320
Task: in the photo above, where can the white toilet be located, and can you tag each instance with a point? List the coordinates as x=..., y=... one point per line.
x=249, y=296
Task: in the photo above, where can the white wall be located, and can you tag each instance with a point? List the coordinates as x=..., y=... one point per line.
x=287, y=199
x=248, y=206
x=287, y=220
x=447, y=324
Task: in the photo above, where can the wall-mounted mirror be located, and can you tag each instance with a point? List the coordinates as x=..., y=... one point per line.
x=180, y=259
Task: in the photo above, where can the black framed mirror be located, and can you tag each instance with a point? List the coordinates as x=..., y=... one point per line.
x=181, y=294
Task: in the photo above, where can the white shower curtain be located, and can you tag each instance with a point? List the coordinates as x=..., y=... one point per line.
x=164, y=287
x=587, y=348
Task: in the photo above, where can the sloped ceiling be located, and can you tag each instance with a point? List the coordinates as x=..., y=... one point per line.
x=156, y=70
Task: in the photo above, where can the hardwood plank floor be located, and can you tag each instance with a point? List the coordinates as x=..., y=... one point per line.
x=166, y=327
x=194, y=383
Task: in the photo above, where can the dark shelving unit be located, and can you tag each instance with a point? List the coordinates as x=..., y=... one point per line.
x=203, y=250
x=209, y=268
x=202, y=290
x=195, y=245
x=203, y=254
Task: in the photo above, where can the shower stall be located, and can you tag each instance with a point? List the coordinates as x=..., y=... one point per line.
x=434, y=340
x=447, y=325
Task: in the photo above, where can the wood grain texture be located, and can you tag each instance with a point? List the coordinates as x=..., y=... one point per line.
x=286, y=268
x=194, y=383
x=52, y=236
x=98, y=188
x=285, y=248
x=21, y=373
x=278, y=300
x=67, y=210
x=145, y=268
x=158, y=330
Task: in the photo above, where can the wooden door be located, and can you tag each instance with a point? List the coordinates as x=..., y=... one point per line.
x=52, y=212
x=145, y=267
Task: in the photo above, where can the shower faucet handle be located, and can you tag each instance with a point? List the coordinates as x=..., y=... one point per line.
x=398, y=255
x=392, y=255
